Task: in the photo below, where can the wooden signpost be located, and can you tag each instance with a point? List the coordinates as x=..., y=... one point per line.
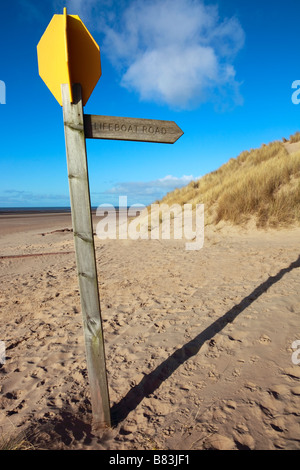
x=141, y=130
x=69, y=64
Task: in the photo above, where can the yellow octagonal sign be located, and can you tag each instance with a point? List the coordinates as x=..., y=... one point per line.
x=67, y=53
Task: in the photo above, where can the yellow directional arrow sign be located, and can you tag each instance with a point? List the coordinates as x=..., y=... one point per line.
x=68, y=54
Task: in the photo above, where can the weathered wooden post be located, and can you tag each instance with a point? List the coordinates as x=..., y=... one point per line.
x=69, y=64
x=85, y=254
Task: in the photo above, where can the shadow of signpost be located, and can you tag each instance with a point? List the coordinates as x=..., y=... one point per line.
x=152, y=381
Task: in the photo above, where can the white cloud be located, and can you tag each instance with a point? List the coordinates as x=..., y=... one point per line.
x=162, y=74
x=174, y=52
x=141, y=192
x=148, y=191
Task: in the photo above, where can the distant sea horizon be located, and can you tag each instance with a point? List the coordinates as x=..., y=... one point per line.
x=44, y=210
x=14, y=210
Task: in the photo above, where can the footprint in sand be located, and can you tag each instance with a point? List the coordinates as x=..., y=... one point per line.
x=264, y=339
x=293, y=372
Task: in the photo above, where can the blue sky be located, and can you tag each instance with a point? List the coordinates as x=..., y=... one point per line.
x=222, y=70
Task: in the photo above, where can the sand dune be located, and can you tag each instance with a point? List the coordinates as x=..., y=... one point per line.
x=198, y=344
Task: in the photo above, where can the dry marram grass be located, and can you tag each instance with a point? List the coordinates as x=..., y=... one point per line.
x=15, y=442
x=263, y=182
x=295, y=138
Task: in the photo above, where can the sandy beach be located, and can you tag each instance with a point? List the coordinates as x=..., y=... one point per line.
x=198, y=343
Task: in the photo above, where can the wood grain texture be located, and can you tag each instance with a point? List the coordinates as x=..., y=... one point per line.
x=139, y=130
x=85, y=255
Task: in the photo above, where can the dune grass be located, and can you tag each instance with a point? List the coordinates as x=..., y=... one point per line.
x=295, y=138
x=15, y=442
x=263, y=183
